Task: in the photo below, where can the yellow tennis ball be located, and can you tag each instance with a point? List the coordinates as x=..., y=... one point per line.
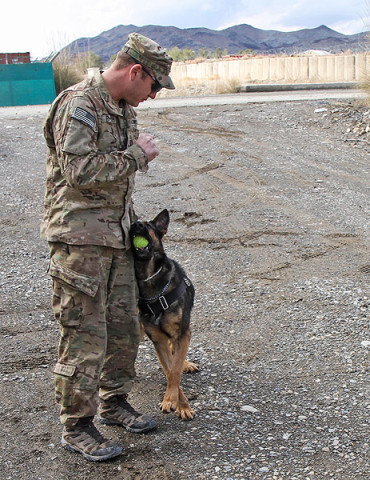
x=140, y=242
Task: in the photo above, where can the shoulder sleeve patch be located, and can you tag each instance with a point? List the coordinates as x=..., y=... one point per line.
x=85, y=117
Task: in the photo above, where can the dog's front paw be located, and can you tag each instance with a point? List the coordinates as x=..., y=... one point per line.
x=167, y=407
x=190, y=367
x=185, y=412
x=170, y=402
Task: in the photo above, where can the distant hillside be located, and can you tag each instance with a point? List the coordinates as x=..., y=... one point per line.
x=233, y=39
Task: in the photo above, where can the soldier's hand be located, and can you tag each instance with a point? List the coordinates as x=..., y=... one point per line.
x=147, y=143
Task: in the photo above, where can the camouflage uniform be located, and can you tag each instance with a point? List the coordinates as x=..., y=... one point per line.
x=91, y=164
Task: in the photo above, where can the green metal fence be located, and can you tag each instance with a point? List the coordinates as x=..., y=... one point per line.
x=26, y=84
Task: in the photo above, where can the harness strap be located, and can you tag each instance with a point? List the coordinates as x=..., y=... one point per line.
x=163, y=302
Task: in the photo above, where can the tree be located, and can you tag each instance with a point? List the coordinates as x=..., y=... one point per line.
x=111, y=60
x=220, y=53
x=204, y=53
x=88, y=60
x=176, y=54
x=188, y=54
x=247, y=51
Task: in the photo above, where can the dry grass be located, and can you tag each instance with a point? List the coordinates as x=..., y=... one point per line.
x=366, y=88
x=65, y=76
x=229, y=86
x=189, y=87
x=65, y=73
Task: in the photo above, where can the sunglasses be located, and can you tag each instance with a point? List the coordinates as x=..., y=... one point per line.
x=156, y=86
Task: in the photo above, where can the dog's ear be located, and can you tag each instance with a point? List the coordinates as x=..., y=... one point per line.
x=161, y=222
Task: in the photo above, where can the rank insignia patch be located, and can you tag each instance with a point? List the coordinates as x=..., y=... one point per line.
x=85, y=117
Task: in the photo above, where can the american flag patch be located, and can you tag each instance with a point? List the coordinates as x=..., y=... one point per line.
x=85, y=117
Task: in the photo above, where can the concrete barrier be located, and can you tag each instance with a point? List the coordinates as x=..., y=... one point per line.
x=270, y=69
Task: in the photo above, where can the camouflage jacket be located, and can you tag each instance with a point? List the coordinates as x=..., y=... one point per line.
x=91, y=165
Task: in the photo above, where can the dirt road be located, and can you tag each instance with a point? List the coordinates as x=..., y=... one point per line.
x=269, y=207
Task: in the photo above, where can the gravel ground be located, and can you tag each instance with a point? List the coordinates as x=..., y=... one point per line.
x=269, y=209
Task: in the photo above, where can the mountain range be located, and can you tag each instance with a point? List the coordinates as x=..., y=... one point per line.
x=232, y=39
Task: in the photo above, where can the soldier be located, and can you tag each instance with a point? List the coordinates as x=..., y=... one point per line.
x=94, y=150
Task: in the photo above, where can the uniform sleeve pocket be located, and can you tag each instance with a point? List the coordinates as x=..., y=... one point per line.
x=78, y=140
x=76, y=280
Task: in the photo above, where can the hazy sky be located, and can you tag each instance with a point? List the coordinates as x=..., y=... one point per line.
x=43, y=26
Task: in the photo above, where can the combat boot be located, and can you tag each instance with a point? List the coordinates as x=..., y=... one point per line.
x=117, y=411
x=86, y=439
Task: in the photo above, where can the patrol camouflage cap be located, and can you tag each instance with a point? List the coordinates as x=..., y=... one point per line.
x=150, y=54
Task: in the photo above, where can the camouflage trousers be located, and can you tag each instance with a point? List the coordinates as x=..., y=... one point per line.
x=95, y=303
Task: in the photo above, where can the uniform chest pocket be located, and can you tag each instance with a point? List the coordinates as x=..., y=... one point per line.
x=109, y=138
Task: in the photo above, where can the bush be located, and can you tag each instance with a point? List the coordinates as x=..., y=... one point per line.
x=65, y=73
x=229, y=86
x=181, y=55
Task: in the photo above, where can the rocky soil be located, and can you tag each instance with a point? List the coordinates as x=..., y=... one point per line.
x=269, y=209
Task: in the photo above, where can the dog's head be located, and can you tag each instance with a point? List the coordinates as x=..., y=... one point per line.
x=153, y=233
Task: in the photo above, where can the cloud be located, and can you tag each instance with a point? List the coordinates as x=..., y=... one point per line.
x=45, y=25
x=287, y=15
x=352, y=26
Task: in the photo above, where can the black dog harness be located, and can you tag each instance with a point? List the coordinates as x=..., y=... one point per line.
x=157, y=305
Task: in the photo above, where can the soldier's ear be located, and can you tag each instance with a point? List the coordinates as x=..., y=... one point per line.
x=161, y=222
x=134, y=70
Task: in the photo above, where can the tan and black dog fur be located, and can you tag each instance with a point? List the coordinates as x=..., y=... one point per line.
x=166, y=298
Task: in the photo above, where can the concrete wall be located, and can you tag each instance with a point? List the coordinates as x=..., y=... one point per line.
x=305, y=69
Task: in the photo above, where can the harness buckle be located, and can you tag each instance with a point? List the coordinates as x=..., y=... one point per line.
x=163, y=302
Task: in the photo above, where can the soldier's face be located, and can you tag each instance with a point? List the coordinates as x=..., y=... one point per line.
x=141, y=87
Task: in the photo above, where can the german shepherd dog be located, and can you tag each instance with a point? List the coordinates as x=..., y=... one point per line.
x=166, y=298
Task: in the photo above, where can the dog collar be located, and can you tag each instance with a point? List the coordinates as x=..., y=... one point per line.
x=154, y=275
